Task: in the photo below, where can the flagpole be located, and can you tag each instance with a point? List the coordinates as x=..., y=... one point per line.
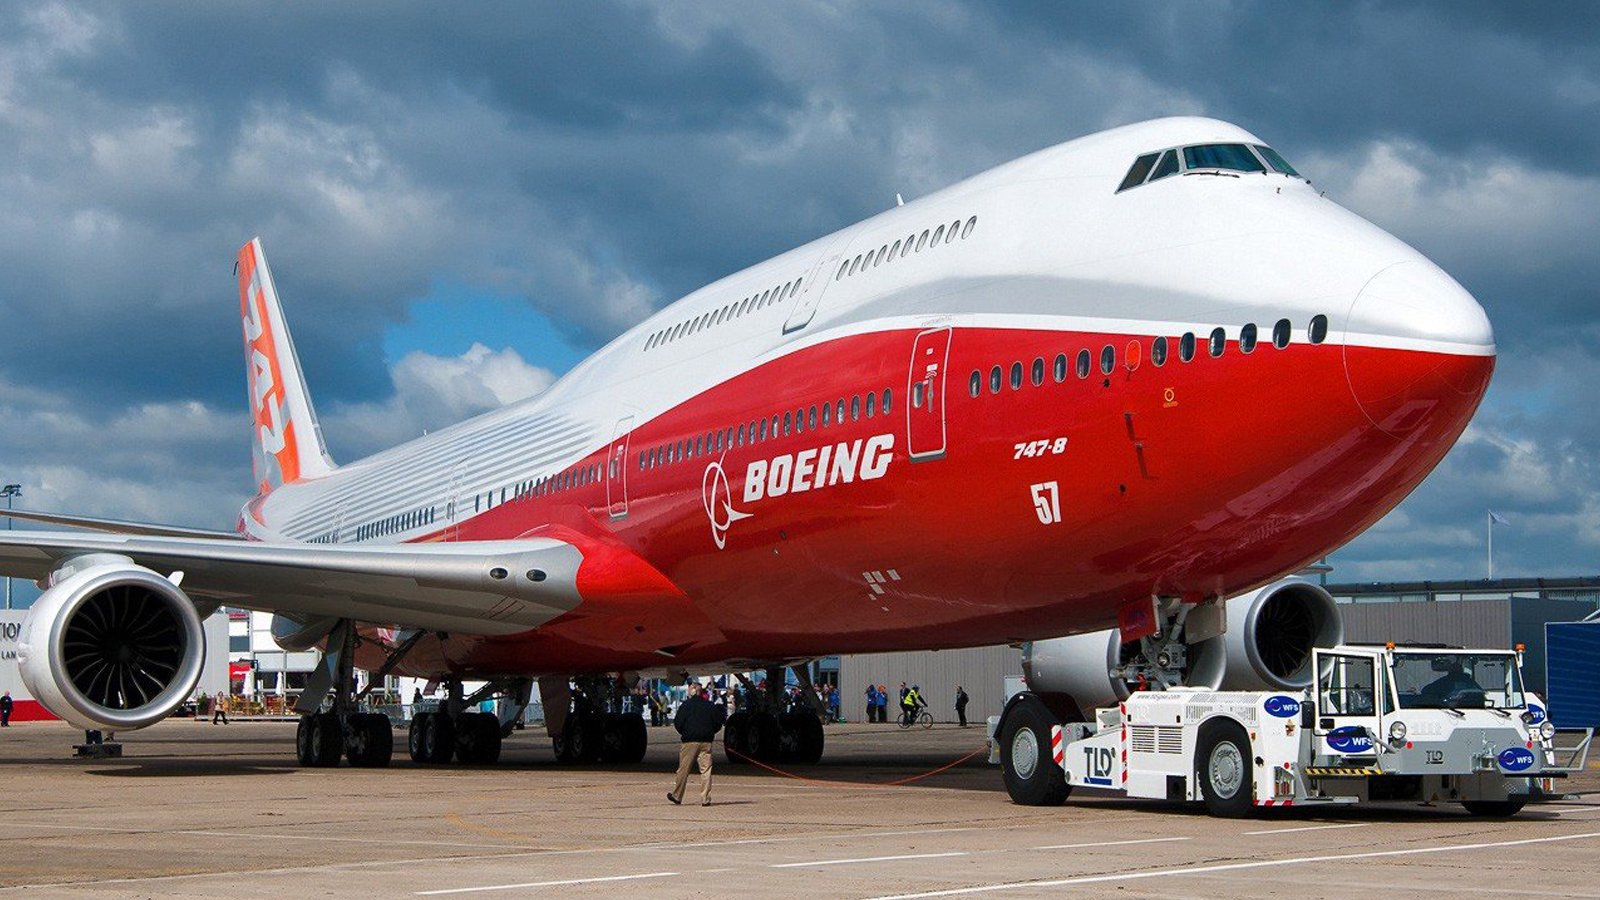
x=1489, y=527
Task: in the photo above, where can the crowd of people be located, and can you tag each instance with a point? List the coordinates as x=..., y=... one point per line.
x=910, y=706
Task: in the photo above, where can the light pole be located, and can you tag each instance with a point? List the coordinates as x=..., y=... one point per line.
x=9, y=491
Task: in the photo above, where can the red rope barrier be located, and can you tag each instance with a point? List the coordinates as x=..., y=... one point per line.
x=856, y=784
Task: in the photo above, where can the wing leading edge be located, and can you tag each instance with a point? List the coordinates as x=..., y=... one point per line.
x=489, y=587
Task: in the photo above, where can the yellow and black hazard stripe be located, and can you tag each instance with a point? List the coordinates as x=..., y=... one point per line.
x=1340, y=771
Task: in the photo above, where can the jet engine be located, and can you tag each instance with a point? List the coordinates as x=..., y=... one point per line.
x=110, y=644
x=1270, y=634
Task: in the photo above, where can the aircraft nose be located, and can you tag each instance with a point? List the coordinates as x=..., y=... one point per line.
x=1418, y=349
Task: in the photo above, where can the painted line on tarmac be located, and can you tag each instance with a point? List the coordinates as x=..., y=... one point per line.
x=863, y=859
x=1308, y=828
x=655, y=846
x=1111, y=843
x=539, y=884
x=282, y=837
x=1230, y=867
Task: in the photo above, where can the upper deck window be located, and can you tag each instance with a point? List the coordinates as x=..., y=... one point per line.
x=1233, y=157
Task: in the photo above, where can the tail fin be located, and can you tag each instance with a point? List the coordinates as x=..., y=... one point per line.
x=288, y=442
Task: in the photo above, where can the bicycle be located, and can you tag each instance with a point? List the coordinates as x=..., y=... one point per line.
x=925, y=719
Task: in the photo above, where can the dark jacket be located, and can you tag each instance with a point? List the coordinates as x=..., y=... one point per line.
x=698, y=719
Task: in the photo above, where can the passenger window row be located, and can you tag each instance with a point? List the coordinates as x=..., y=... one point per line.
x=392, y=524
x=734, y=310
x=1211, y=159
x=1160, y=350
x=796, y=421
x=912, y=243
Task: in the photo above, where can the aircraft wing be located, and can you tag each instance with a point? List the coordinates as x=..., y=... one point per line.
x=488, y=587
x=118, y=526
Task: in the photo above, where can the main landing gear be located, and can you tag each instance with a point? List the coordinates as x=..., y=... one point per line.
x=471, y=738
x=774, y=728
x=366, y=739
x=582, y=732
x=323, y=736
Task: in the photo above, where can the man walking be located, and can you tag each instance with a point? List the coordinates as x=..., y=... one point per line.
x=5, y=710
x=698, y=722
x=219, y=708
x=961, y=705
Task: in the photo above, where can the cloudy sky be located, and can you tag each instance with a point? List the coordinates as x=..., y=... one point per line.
x=461, y=205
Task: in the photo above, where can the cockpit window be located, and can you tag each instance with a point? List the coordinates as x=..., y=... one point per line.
x=1275, y=161
x=1234, y=157
x=1141, y=168
x=1167, y=166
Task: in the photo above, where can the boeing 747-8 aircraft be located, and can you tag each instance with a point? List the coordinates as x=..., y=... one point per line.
x=1107, y=385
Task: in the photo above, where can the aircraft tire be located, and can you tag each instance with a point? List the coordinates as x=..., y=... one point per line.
x=563, y=749
x=733, y=746
x=1223, y=767
x=1032, y=778
x=325, y=740
x=370, y=744
x=304, y=751
x=761, y=737
x=635, y=739
x=1493, y=809
x=438, y=739
x=414, y=737
x=489, y=739
x=810, y=743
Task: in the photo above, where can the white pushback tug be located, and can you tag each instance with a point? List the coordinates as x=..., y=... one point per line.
x=1388, y=722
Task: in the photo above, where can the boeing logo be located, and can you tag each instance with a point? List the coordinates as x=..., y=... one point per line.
x=717, y=495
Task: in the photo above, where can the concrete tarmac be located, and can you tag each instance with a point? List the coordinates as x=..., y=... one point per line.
x=201, y=811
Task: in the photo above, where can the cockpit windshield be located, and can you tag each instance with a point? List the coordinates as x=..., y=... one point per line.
x=1234, y=157
x=1206, y=159
x=1445, y=680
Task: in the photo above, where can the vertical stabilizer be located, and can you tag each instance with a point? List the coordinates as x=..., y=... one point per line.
x=287, y=445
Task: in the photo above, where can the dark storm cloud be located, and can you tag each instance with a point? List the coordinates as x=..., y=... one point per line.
x=600, y=159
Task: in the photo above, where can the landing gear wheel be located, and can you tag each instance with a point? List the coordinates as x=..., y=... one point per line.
x=565, y=753
x=811, y=740
x=370, y=743
x=612, y=740
x=414, y=738
x=478, y=739
x=1493, y=809
x=733, y=744
x=438, y=738
x=1222, y=765
x=319, y=740
x=800, y=737
x=1031, y=775
x=635, y=739
x=761, y=737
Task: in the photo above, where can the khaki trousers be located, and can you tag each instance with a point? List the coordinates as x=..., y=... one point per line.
x=688, y=752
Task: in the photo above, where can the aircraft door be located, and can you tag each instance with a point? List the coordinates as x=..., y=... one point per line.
x=617, y=469
x=812, y=288
x=925, y=389
x=453, y=512
x=1352, y=695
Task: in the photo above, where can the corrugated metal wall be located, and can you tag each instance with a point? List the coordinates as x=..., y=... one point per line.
x=1464, y=623
x=981, y=670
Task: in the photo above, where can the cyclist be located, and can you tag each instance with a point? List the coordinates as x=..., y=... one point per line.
x=913, y=704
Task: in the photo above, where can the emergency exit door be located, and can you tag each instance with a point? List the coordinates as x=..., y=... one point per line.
x=617, y=469
x=925, y=413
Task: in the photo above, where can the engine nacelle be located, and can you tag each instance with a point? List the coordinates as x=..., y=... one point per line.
x=110, y=645
x=1267, y=646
